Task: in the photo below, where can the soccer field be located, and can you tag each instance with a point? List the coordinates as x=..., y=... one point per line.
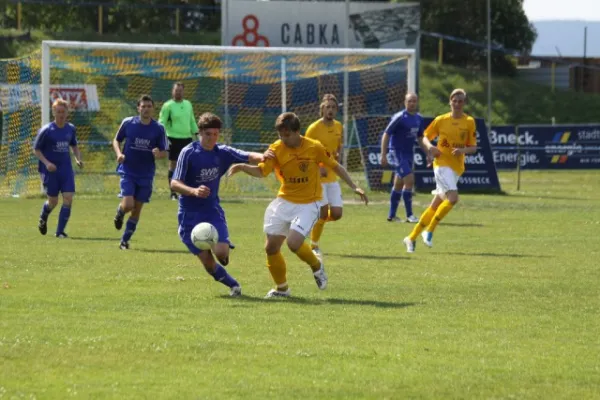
x=506, y=304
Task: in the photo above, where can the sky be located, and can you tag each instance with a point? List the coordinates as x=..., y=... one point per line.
x=540, y=10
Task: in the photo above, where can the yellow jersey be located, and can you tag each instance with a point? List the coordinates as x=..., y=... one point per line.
x=330, y=136
x=298, y=170
x=452, y=133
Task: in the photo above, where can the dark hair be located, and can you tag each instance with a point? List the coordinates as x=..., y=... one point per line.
x=287, y=121
x=209, y=121
x=145, y=97
x=179, y=83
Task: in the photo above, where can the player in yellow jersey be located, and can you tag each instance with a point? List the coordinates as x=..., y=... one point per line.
x=293, y=213
x=328, y=132
x=457, y=136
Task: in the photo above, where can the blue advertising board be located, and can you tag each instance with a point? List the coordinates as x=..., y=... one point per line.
x=480, y=174
x=546, y=146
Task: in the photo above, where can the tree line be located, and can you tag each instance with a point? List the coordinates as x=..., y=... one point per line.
x=460, y=18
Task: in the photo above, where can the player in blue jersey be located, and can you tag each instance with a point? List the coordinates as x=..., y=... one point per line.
x=51, y=147
x=145, y=141
x=399, y=137
x=197, y=175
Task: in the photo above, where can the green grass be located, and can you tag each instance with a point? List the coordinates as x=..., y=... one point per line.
x=504, y=306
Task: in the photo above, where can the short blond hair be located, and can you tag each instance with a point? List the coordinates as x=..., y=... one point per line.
x=458, y=91
x=60, y=102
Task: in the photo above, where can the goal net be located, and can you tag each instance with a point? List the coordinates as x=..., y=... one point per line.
x=247, y=87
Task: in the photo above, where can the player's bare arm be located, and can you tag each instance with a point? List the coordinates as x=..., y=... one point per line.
x=159, y=153
x=255, y=158
x=342, y=173
x=183, y=189
x=252, y=170
x=117, y=149
x=77, y=154
x=464, y=150
x=49, y=166
x=385, y=141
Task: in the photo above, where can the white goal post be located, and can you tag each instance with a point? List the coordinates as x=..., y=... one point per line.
x=224, y=50
x=248, y=87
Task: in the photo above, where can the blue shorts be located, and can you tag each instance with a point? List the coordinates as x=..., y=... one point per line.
x=188, y=220
x=139, y=188
x=58, y=182
x=404, y=166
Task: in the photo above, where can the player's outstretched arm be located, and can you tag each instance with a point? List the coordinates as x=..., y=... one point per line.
x=252, y=170
x=256, y=158
x=342, y=173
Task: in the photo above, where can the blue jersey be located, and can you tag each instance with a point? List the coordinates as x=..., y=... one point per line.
x=404, y=128
x=54, y=144
x=197, y=166
x=140, y=139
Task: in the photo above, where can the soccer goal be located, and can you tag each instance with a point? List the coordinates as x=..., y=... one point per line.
x=247, y=87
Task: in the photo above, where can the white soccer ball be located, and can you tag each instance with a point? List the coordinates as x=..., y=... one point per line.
x=204, y=236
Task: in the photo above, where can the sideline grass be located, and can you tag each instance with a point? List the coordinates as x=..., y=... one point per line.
x=504, y=306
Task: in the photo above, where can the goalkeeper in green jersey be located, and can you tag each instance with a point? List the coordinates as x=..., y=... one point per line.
x=177, y=116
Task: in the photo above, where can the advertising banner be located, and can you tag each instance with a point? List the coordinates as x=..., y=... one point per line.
x=79, y=97
x=320, y=24
x=546, y=146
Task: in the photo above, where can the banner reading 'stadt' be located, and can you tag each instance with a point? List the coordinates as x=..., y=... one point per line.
x=320, y=24
x=480, y=171
x=546, y=146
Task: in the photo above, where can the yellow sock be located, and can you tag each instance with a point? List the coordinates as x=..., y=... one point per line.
x=305, y=254
x=441, y=212
x=423, y=222
x=316, y=233
x=276, y=265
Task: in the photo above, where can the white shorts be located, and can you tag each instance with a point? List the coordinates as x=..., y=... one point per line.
x=445, y=179
x=282, y=215
x=332, y=194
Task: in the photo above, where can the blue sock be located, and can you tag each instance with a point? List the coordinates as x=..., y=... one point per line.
x=130, y=227
x=394, y=201
x=46, y=210
x=120, y=211
x=63, y=218
x=407, y=197
x=222, y=276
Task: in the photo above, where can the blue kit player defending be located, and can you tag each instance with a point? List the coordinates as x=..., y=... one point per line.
x=197, y=175
x=51, y=147
x=399, y=137
x=145, y=141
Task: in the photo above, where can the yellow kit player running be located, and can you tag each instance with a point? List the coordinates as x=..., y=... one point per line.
x=328, y=132
x=293, y=213
x=456, y=136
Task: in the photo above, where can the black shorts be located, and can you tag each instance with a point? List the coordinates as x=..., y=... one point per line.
x=175, y=147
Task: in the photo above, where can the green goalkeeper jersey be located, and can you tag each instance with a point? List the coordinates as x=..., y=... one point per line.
x=178, y=119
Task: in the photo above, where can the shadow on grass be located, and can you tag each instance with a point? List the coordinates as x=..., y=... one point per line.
x=508, y=255
x=165, y=251
x=369, y=256
x=462, y=224
x=95, y=239
x=542, y=197
x=321, y=302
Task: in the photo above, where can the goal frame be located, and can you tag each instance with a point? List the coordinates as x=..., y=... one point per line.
x=410, y=54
